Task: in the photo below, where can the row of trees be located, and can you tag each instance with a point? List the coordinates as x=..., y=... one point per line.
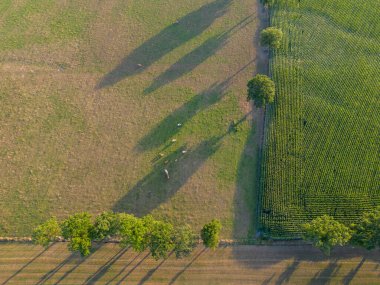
x=159, y=237
x=325, y=232
x=261, y=89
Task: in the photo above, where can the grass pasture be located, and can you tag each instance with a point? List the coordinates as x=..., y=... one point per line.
x=323, y=140
x=91, y=93
x=28, y=264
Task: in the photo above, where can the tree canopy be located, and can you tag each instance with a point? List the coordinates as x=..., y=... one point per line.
x=77, y=229
x=271, y=37
x=367, y=230
x=325, y=233
x=47, y=232
x=261, y=89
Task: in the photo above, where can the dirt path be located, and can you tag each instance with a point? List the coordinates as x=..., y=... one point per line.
x=29, y=264
x=262, y=66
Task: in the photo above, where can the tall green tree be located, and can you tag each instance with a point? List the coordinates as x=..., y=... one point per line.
x=77, y=230
x=271, y=37
x=325, y=233
x=367, y=230
x=47, y=232
x=160, y=241
x=210, y=233
x=134, y=231
x=184, y=241
x=105, y=225
x=261, y=89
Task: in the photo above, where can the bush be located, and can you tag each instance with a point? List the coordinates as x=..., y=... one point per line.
x=261, y=89
x=47, y=232
x=325, y=233
x=77, y=229
x=210, y=234
x=271, y=37
x=367, y=230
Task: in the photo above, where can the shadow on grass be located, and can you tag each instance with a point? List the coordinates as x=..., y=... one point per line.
x=348, y=278
x=167, y=40
x=323, y=277
x=154, y=189
x=190, y=61
x=152, y=271
x=76, y=258
x=178, y=274
x=168, y=128
x=285, y=276
x=25, y=265
x=104, y=268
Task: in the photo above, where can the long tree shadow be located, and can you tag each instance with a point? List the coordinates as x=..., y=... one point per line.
x=190, y=61
x=323, y=277
x=94, y=278
x=167, y=40
x=156, y=188
x=174, y=279
x=25, y=265
x=168, y=128
x=285, y=276
x=347, y=280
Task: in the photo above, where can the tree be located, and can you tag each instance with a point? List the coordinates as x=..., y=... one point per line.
x=134, y=231
x=261, y=89
x=77, y=229
x=160, y=241
x=325, y=233
x=105, y=225
x=367, y=230
x=271, y=37
x=210, y=234
x=47, y=232
x=184, y=241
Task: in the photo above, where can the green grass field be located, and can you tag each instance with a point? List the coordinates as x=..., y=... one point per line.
x=91, y=94
x=29, y=264
x=323, y=140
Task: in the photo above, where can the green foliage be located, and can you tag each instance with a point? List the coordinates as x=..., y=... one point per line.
x=271, y=37
x=210, y=234
x=160, y=241
x=134, y=231
x=367, y=230
x=325, y=233
x=105, y=225
x=184, y=241
x=77, y=229
x=47, y=232
x=261, y=89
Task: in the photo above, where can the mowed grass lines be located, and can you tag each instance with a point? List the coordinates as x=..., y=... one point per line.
x=322, y=152
x=91, y=93
x=109, y=264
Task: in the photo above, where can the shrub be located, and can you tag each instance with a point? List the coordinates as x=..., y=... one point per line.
x=210, y=234
x=271, y=37
x=47, y=232
x=261, y=89
x=325, y=233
